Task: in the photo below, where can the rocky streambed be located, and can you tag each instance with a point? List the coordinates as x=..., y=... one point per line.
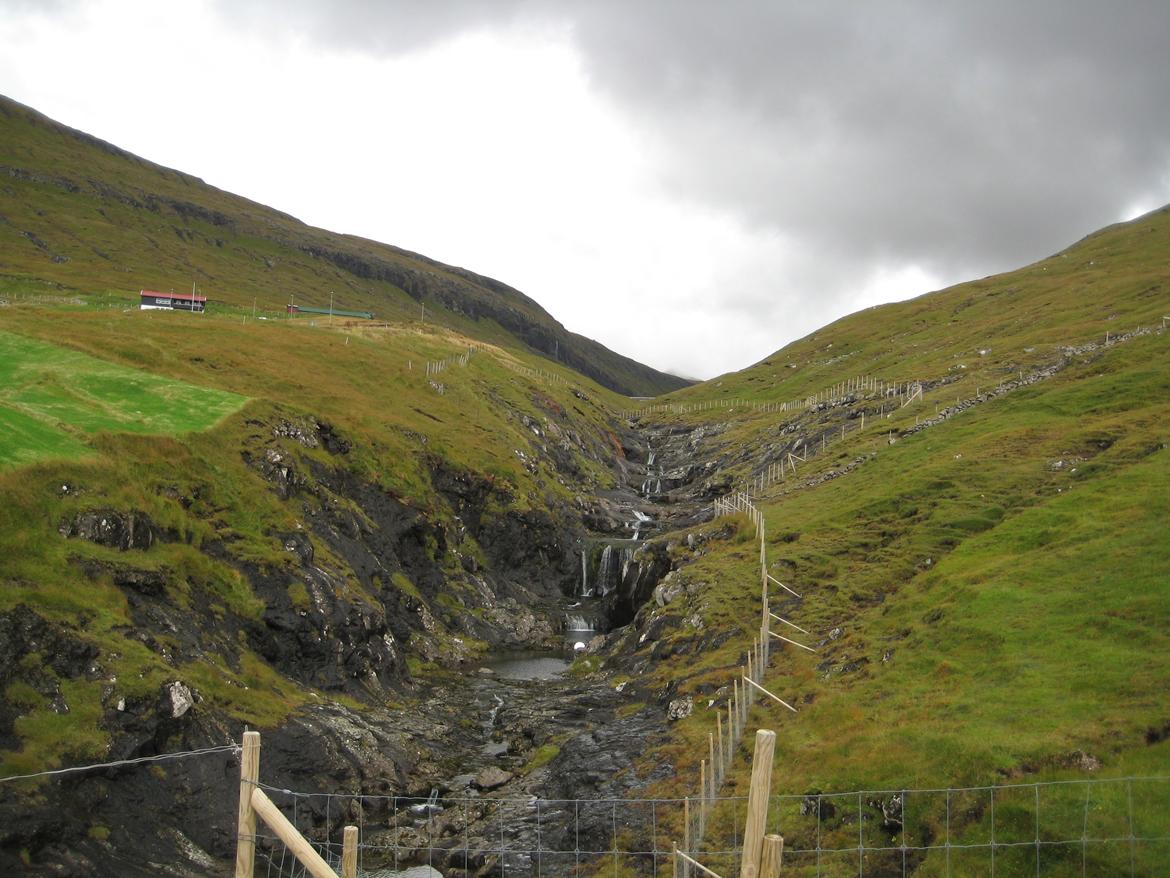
x=462, y=763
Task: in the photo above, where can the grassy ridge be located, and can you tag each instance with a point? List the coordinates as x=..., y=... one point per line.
x=979, y=332
x=1000, y=582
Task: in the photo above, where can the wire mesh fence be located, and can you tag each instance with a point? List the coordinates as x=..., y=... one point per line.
x=1054, y=829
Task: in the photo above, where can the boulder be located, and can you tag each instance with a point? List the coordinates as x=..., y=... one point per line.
x=680, y=708
x=491, y=778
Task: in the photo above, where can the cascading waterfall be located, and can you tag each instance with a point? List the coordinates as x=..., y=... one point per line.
x=585, y=592
x=605, y=572
x=574, y=622
x=640, y=519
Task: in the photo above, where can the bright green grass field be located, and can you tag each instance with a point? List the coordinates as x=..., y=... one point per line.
x=52, y=399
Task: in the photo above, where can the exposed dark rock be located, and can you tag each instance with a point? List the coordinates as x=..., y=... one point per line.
x=812, y=805
x=110, y=527
x=299, y=544
x=277, y=468
x=147, y=582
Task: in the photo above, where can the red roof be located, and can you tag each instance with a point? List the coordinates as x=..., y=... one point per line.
x=186, y=297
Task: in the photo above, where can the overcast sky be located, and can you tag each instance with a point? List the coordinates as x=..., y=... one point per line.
x=693, y=184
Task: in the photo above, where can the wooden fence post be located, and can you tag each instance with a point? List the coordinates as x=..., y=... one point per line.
x=765, y=625
x=735, y=723
x=773, y=856
x=716, y=768
x=702, y=797
x=246, y=832
x=349, y=851
x=757, y=807
x=722, y=752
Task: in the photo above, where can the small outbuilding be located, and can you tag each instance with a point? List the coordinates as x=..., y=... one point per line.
x=150, y=300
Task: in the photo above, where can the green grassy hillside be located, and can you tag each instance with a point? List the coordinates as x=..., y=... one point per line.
x=985, y=571
x=79, y=216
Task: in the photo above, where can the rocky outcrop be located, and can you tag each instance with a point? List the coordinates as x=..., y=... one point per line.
x=112, y=528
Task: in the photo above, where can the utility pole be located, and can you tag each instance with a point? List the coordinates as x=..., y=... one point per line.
x=331, y=308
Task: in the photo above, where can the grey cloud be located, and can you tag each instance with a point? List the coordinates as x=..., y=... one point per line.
x=935, y=132
x=961, y=137
x=938, y=133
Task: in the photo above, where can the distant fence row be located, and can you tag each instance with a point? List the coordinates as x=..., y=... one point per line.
x=535, y=374
x=434, y=367
x=861, y=387
x=776, y=468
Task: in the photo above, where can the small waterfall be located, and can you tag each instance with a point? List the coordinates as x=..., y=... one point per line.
x=640, y=520
x=585, y=592
x=605, y=572
x=578, y=623
x=627, y=560
x=431, y=806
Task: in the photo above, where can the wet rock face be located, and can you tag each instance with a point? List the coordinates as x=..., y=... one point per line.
x=332, y=642
x=649, y=563
x=112, y=528
x=532, y=548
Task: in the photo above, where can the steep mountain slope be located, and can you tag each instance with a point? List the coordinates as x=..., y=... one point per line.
x=983, y=569
x=82, y=215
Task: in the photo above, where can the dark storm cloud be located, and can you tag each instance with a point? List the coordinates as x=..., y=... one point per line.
x=957, y=136
x=927, y=132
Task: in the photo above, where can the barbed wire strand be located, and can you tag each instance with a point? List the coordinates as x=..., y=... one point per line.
x=162, y=757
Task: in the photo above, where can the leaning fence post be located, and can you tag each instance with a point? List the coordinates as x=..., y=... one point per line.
x=349, y=850
x=246, y=833
x=757, y=807
x=773, y=856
